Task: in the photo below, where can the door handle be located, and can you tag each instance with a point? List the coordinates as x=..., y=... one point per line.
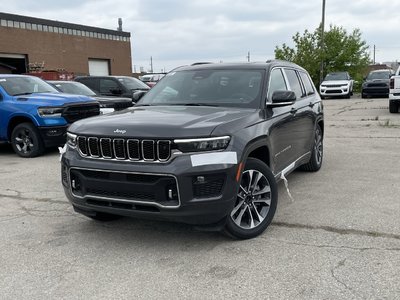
x=293, y=110
x=311, y=104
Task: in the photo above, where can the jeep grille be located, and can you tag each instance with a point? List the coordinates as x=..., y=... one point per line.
x=124, y=149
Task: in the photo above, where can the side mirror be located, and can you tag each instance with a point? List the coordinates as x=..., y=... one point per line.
x=283, y=98
x=137, y=95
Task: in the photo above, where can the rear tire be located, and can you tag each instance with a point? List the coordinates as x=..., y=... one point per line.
x=317, y=153
x=256, y=201
x=393, y=107
x=26, y=140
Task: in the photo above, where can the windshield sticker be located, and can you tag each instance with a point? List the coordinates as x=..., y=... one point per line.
x=171, y=74
x=3, y=80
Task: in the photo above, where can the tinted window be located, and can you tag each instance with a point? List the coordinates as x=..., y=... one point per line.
x=276, y=83
x=229, y=88
x=294, y=82
x=91, y=83
x=307, y=83
x=106, y=85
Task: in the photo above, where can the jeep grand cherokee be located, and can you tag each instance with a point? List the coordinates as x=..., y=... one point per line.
x=205, y=146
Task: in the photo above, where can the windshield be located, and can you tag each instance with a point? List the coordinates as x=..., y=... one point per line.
x=336, y=76
x=378, y=75
x=74, y=88
x=26, y=85
x=231, y=88
x=132, y=83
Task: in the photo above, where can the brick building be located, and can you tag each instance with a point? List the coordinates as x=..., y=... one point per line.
x=28, y=43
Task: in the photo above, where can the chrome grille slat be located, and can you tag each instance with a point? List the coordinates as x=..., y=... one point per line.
x=93, y=145
x=119, y=148
x=124, y=149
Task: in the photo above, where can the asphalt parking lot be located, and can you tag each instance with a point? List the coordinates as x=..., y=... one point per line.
x=339, y=238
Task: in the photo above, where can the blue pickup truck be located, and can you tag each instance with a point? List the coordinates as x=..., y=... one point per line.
x=34, y=115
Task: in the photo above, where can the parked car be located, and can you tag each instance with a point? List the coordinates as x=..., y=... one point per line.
x=121, y=86
x=206, y=146
x=394, y=92
x=151, y=79
x=337, y=84
x=107, y=103
x=376, y=83
x=34, y=115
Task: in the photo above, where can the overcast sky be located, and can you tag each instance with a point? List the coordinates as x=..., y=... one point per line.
x=178, y=32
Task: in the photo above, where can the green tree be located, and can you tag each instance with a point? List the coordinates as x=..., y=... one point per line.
x=342, y=51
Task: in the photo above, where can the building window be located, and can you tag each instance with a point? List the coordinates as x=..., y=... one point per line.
x=34, y=26
x=16, y=24
x=23, y=25
x=10, y=23
x=51, y=29
x=29, y=26
x=40, y=27
x=3, y=23
x=74, y=31
x=45, y=28
x=69, y=31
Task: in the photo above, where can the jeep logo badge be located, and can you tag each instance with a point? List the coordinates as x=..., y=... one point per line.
x=120, y=131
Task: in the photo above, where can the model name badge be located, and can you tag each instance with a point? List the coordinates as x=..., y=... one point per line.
x=120, y=131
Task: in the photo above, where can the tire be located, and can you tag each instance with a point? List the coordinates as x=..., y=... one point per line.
x=393, y=107
x=26, y=140
x=256, y=201
x=104, y=217
x=317, y=153
x=363, y=96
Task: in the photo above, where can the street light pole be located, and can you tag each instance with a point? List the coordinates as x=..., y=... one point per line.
x=321, y=75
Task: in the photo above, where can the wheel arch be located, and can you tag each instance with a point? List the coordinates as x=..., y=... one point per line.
x=16, y=120
x=259, y=149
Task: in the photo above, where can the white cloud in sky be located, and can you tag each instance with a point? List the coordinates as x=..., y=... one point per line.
x=179, y=32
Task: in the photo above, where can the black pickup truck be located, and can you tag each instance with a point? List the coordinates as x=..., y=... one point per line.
x=205, y=146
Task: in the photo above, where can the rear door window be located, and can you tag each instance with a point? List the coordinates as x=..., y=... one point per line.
x=294, y=82
x=308, y=86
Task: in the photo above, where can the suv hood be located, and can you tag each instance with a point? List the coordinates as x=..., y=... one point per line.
x=113, y=102
x=164, y=122
x=335, y=82
x=50, y=99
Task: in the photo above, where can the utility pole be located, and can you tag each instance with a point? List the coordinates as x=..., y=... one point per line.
x=374, y=52
x=321, y=75
x=151, y=64
x=248, y=56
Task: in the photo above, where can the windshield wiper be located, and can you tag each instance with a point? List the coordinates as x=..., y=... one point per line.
x=200, y=104
x=21, y=94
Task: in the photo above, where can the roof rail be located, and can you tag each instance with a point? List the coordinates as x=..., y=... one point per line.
x=201, y=63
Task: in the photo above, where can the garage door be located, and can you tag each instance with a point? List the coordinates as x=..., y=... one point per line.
x=13, y=63
x=99, y=67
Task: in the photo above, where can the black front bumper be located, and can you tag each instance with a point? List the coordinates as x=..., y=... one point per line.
x=53, y=136
x=173, y=191
x=375, y=91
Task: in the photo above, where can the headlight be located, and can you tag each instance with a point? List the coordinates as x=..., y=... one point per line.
x=71, y=139
x=54, y=112
x=202, y=144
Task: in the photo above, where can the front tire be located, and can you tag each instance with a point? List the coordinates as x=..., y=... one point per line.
x=317, y=153
x=26, y=140
x=256, y=201
x=393, y=107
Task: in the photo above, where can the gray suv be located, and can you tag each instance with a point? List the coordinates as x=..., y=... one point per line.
x=121, y=86
x=204, y=146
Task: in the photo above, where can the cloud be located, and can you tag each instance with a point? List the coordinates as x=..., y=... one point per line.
x=176, y=31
